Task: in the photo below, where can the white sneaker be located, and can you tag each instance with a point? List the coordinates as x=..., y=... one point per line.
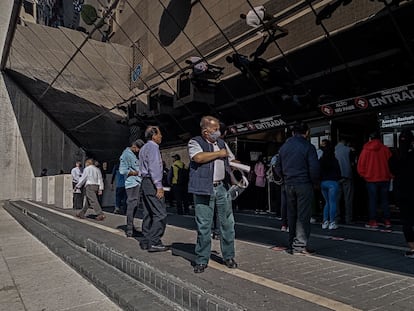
x=333, y=226
x=313, y=220
x=284, y=229
x=325, y=224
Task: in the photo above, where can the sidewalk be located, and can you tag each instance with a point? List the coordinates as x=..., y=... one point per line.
x=266, y=279
x=33, y=278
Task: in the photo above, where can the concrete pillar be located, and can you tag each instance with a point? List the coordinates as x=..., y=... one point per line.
x=63, y=191
x=37, y=189
x=48, y=189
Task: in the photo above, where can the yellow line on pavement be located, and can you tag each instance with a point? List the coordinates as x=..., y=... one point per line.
x=292, y=291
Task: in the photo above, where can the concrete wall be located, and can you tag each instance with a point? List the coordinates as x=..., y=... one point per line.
x=5, y=9
x=29, y=141
x=206, y=36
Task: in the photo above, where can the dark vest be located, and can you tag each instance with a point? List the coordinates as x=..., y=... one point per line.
x=201, y=174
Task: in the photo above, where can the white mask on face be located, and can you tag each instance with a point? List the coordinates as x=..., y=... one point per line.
x=214, y=136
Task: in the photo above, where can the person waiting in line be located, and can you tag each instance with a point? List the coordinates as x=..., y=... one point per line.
x=120, y=193
x=208, y=183
x=283, y=200
x=94, y=185
x=299, y=167
x=402, y=167
x=260, y=185
x=330, y=174
x=78, y=194
x=258, y=17
x=166, y=181
x=154, y=220
x=179, y=185
x=129, y=168
x=373, y=167
x=345, y=156
x=318, y=201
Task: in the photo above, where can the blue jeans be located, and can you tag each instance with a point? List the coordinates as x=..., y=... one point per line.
x=329, y=190
x=380, y=189
x=204, y=211
x=299, y=204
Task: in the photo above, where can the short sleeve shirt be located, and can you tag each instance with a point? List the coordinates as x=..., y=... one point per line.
x=219, y=169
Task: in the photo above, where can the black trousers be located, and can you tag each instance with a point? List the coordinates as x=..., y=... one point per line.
x=180, y=196
x=406, y=206
x=154, y=218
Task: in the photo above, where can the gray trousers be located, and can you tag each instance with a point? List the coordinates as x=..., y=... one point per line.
x=154, y=218
x=133, y=195
x=299, y=206
x=91, y=192
x=346, y=190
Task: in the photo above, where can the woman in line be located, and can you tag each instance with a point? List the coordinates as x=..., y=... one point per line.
x=330, y=174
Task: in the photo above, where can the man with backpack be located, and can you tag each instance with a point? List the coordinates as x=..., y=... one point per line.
x=179, y=184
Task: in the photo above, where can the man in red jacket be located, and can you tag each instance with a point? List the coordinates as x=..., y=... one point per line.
x=373, y=167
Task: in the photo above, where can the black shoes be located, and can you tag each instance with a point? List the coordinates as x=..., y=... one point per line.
x=230, y=263
x=158, y=248
x=199, y=268
x=144, y=246
x=215, y=236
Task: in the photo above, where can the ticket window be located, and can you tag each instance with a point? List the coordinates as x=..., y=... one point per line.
x=318, y=134
x=391, y=139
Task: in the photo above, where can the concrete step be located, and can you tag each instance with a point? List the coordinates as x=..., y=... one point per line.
x=117, y=253
x=127, y=292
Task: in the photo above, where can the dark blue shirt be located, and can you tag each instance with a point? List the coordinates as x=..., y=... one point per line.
x=298, y=162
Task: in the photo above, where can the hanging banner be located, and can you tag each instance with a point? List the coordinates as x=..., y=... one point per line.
x=256, y=125
x=383, y=98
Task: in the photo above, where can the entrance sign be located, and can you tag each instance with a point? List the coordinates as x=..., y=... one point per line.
x=401, y=94
x=257, y=125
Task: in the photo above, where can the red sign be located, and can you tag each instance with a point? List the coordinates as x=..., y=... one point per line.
x=361, y=103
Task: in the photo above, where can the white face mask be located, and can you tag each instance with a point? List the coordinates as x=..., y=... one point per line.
x=214, y=136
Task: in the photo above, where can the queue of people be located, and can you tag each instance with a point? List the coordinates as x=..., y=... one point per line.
x=299, y=169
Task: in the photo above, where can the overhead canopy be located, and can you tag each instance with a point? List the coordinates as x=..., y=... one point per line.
x=87, y=85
